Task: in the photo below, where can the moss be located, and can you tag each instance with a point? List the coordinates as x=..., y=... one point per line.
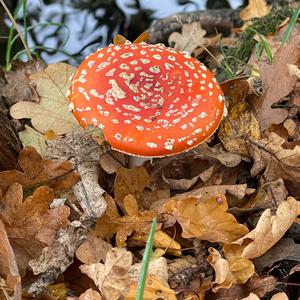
x=236, y=56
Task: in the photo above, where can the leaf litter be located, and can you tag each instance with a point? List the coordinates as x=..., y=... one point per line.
x=74, y=218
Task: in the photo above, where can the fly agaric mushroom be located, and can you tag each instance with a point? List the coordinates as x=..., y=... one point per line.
x=149, y=100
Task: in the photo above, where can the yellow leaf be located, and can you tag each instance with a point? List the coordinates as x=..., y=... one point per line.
x=52, y=112
x=206, y=218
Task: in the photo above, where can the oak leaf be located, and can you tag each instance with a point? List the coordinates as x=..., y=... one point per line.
x=255, y=9
x=52, y=111
x=38, y=171
x=206, y=218
x=112, y=278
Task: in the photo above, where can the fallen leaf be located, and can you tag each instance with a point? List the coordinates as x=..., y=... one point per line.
x=251, y=297
x=155, y=288
x=90, y=295
x=8, y=264
x=269, y=229
x=112, y=278
x=280, y=296
x=190, y=38
x=206, y=219
x=277, y=73
x=31, y=225
x=93, y=250
x=52, y=110
x=255, y=9
x=82, y=151
x=130, y=181
x=18, y=87
x=239, y=126
x=133, y=221
x=38, y=171
x=31, y=137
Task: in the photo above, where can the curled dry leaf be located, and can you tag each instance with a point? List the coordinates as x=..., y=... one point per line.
x=235, y=269
x=8, y=264
x=269, y=229
x=38, y=171
x=206, y=218
x=112, y=278
x=52, y=110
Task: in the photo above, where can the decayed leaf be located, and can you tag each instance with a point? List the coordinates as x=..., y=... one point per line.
x=277, y=82
x=238, y=126
x=255, y=9
x=38, y=171
x=130, y=181
x=112, y=278
x=52, y=110
x=133, y=221
x=31, y=137
x=156, y=288
x=81, y=150
x=190, y=38
x=206, y=218
x=31, y=225
x=269, y=230
x=90, y=295
x=251, y=297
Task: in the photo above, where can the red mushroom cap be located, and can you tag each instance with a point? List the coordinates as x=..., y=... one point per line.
x=149, y=100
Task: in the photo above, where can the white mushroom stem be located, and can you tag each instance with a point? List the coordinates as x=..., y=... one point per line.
x=137, y=161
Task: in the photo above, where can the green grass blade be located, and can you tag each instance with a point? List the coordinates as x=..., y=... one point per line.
x=291, y=25
x=145, y=262
x=264, y=45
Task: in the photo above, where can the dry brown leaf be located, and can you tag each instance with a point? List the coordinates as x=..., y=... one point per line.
x=130, y=181
x=93, y=250
x=238, y=126
x=155, y=289
x=8, y=264
x=190, y=38
x=18, y=87
x=90, y=295
x=206, y=218
x=133, y=221
x=112, y=278
x=161, y=240
x=235, y=269
x=269, y=230
x=255, y=9
x=52, y=111
x=279, y=160
x=31, y=225
x=38, y=171
x=277, y=83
